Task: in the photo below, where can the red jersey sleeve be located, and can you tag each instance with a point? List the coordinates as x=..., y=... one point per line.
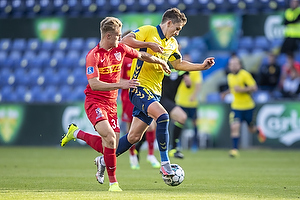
x=91, y=65
x=130, y=52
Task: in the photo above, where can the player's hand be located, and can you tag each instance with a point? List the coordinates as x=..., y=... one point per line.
x=208, y=63
x=126, y=84
x=166, y=67
x=156, y=47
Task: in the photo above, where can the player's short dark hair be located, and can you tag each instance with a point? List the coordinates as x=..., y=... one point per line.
x=174, y=15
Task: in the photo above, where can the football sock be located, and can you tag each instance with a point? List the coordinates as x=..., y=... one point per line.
x=94, y=141
x=195, y=136
x=162, y=136
x=131, y=150
x=235, y=142
x=150, y=136
x=124, y=145
x=111, y=163
x=76, y=133
x=176, y=134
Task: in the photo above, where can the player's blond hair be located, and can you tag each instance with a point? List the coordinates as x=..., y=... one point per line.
x=110, y=24
x=174, y=15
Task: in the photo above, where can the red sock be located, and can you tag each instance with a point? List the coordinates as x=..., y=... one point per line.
x=150, y=136
x=94, y=141
x=111, y=163
x=131, y=150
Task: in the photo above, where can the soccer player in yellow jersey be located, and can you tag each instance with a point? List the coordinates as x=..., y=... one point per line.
x=160, y=42
x=187, y=99
x=241, y=85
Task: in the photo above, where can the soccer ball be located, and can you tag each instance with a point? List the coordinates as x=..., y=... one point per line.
x=177, y=178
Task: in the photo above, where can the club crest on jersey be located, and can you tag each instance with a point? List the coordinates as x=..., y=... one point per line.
x=90, y=70
x=118, y=56
x=98, y=113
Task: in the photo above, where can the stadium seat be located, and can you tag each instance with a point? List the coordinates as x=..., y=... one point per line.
x=198, y=43
x=62, y=44
x=3, y=56
x=20, y=92
x=3, y=6
x=46, y=7
x=75, y=8
x=91, y=43
x=33, y=44
x=51, y=78
x=13, y=59
x=8, y=94
x=71, y=59
x=5, y=44
x=76, y=43
x=33, y=74
x=19, y=44
x=21, y=77
x=261, y=42
x=47, y=45
x=18, y=8
x=5, y=73
x=161, y=5
x=246, y=42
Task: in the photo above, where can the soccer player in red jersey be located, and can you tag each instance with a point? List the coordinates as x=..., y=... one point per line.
x=103, y=67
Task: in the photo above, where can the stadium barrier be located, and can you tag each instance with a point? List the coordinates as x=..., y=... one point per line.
x=44, y=124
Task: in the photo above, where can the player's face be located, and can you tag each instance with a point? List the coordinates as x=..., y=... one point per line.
x=115, y=37
x=173, y=29
x=234, y=65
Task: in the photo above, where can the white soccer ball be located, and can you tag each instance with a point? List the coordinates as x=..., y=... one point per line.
x=177, y=178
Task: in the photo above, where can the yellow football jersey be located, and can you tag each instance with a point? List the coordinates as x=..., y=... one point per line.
x=241, y=101
x=150, y=75
x=184, y=94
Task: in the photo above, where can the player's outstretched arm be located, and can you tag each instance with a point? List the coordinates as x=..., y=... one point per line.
x=184, y=65
x=152, y=59
x=98, y=85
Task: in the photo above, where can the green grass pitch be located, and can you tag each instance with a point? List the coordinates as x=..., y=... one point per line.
x=68, y=173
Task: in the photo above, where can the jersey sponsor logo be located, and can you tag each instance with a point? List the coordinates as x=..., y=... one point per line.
x=110, y=69
x=118, y=56
x=90, y=70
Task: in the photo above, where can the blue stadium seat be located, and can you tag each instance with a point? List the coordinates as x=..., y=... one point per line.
x=62, y=44
x=33, y=44
x=8, y=94
x=51, y=77
x=56, y=60
x=91, y=43
x=80, y=77
x=33, y=75
x=75, y=8
x=276, y=43
x=5, y=73
x=66, y=93
x=29, y=8
x=47, y=45
x=222, y=6
x=5, y=44
x=161, y=5
x=13, y=59
x=198, y=43
x=3, y=5
x=76, y=43
x=3, y=56
x=103, y=7
x=18, y=8
x=261, y=42
x=192, y=6
x=246, y=42
x=46, y=7
x=19, y=44
x=21, y=77
x=71, y=59
x=20, y=91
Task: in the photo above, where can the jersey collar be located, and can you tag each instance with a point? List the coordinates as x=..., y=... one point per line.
x=160, y=33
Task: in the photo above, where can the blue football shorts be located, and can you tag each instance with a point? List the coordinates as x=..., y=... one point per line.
x=141, y=98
